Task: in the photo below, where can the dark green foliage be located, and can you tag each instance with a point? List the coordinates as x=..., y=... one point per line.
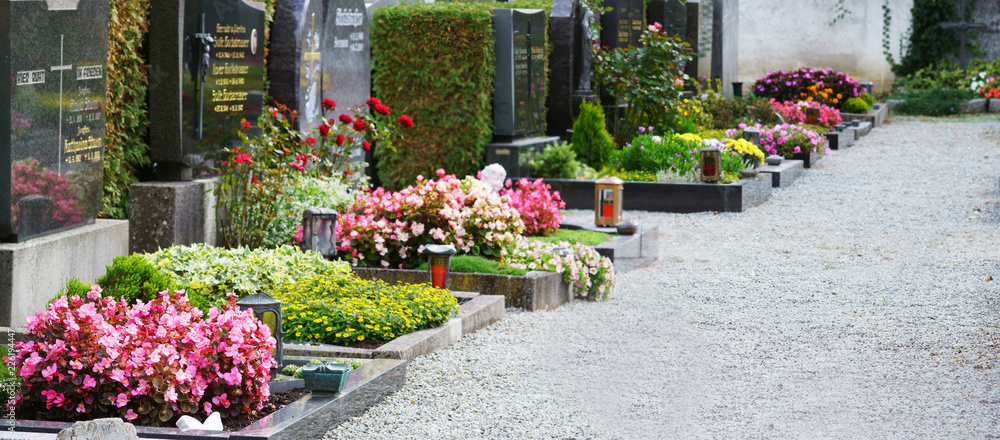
x=856, y=105
x=9, y=380
x=557, y=161
x=929, y=43
x=591, y=141
x=126, y=116
x=937, y=102
x=435, y=63
x=728, y=113
x=474, y=264
x=868, y=98
x=133, y=277
x=946, y=74
x=75, y=287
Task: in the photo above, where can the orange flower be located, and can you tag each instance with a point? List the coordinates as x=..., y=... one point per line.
x=839, y=97
x=809, y=98
x=835, y=100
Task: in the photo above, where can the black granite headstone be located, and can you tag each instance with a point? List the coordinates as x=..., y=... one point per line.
x=671, y=14
x=691, y=38
x=563, y=80
x=621, y=26
x=519, y=88
x=206, y=76
x=295, y=59
x=347, y=69
x=51, y=171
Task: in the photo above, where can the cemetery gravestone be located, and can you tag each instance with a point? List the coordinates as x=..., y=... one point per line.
x=562, y=64
x=295, y=61
x=519, y=88
x=206, y=76
x=585, y=35
x=621, y=27
x=347, y=71
x=671, y=14
x=691, y=38
x=725, y=43
x=52, y=172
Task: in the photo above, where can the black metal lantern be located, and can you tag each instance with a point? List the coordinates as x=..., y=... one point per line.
x=438, y=263
x=268, y=311
x=738, y=89
x=319, y=231
x=752, y=135
x=711, y=164
x=868, y=86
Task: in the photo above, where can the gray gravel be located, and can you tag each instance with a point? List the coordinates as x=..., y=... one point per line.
x=853, y=304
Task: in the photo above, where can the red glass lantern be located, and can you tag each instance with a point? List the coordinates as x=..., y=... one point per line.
x=438, y=262
x=711, y=164
x=608, y=200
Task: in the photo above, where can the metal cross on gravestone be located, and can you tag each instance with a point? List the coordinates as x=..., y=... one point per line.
x=962, y=27
x=201, y=54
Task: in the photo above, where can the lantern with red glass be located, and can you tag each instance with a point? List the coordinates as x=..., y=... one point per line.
x=812, y=115
x=711, y=161
x=608, y=200
x=438, y=261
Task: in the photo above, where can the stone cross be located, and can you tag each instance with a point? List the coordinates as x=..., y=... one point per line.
x=963, y=27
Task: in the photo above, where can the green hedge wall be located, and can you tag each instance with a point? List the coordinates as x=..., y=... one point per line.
x=126, y=117
x=435, y=63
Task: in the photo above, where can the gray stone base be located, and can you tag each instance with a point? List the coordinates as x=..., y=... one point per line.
x=784, y=173
x=509, y=154
x=874, y=116
x=169, y=213
x=808, y=159
x=629, y=252
x=975, y=106
x=34, y=271
x=994, y=105
x=670, y=197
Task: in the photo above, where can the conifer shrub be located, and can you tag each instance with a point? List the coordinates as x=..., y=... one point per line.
x=591, y=141
x=868, y=98
x=856, y=105
x=556, y=161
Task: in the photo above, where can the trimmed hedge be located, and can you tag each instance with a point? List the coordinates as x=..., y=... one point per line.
x=435, y=62
x=126, y=117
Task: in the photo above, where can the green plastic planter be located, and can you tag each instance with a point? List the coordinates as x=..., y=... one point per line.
x=326, y=378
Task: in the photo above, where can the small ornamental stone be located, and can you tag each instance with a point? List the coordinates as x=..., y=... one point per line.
x=99, y=429
x=494, y=175
x=773, y=159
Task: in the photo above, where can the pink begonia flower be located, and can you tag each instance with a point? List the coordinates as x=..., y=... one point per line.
x=89, y=382
x=122, y=400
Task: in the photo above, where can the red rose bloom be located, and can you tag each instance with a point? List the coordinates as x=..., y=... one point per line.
x=372, y=102
x=359, y=125
x=366, y=146
x=381, y=109
x=324, y=129
x=340, y=140
x=348, y=173
x=246, y=125
x=405, y=121
x=329, y=104
x=345, y=119
x=311, y=140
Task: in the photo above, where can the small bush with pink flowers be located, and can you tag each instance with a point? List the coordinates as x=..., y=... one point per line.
x=388, y=229
x=150, y=363
x=589, y=275
x=795, y=112
x=539, y=207
x=786, y=139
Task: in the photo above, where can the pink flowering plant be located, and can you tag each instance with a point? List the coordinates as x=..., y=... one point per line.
x=539, y=207
x=149, y=364
x=786, y=139
x=388, y=229
x=589, y=275
x=795, y=112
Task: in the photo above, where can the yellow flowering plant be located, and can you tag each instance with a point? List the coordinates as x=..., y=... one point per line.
x=343, y=309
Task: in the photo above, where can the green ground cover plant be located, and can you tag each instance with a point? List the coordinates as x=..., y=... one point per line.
x=934, y=102
x=474, y=264
x=581, y=236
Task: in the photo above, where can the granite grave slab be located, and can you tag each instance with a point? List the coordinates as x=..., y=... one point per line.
x=671, y=197
x=784, y=173
x=51, y=156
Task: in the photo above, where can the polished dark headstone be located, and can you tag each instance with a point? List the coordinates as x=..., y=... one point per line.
x=295, y=58
x=671, y=197
x=51, y=159
x=671, y=14
x=691, y=38
x=725, y=43
x=206, y=77
x=562, y=67
x=519, y=87
x=347, y=69
x=621, y=26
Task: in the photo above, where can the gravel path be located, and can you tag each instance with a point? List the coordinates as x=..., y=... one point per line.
x=853, y=304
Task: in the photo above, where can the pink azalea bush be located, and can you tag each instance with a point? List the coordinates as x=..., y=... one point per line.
x=388, y=229
x=589, y=275
x=787, y=139
x=795, y=112
x=149, y=363
x=539, y=208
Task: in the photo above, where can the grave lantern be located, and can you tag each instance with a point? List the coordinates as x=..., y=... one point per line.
x=608, y=200
x=738, y=89
x=319, y=231
x=268, y=311
x=812, y=115
x=438, y=262
x=711, y=159
x=868, y=86
x=752, y=135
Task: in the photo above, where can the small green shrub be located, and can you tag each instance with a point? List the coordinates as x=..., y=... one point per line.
x=344, y=309
x=856, y=105
x=582, y=236
x=474, y=264
x=729, y=113
x=556, y=161
x=132, y=277
x=591, y=141
x=212, y=272
x=937, y=102
x=869, y=99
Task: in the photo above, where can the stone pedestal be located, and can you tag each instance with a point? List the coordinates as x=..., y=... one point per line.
x=509, y=154
x=784, y=173
x=169, y=213
x=34, y=271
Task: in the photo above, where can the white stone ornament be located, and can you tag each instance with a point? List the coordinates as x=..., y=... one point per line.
x=494, y=175
x=212, y=423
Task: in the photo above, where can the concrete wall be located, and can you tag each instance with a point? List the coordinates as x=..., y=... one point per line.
x=787, y=35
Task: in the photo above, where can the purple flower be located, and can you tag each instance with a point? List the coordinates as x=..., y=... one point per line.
x=642, y=148
x=642, y=129
x=650, y=128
